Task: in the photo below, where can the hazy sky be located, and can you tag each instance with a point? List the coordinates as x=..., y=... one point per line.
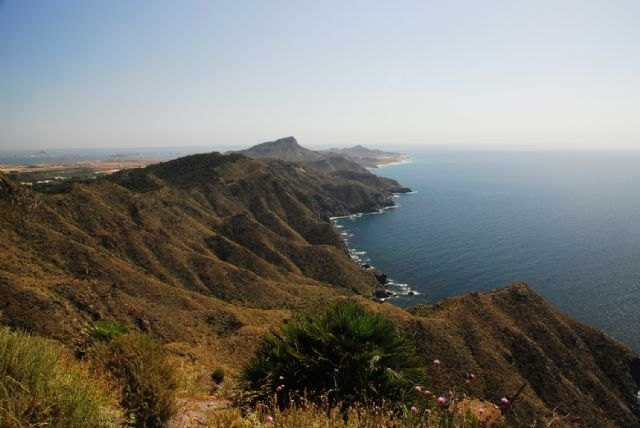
x=107, y=73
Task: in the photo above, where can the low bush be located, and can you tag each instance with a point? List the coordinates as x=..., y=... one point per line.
x=217, y=376
x=42, y=385
x=147, y=377
x=347, y=355
x=104, y=330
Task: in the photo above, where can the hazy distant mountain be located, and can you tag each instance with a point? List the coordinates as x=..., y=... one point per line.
x=369, y=158
x=334, y=164
x=40, y=154
x=362, y=152
x=288, y=149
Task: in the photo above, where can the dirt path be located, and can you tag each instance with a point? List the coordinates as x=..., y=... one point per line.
x=193, y=412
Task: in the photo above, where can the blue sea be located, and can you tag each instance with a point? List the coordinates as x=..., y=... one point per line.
x=566, y=222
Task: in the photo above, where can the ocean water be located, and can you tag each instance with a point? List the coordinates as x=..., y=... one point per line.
x=567, y=223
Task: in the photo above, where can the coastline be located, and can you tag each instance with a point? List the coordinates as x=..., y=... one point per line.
x=402, y=161
x=393, y=288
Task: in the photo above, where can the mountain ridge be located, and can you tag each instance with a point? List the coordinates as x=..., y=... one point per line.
x=209, y=251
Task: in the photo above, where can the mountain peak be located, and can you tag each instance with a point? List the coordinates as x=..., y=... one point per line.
x=286, y=141
x=286, y=149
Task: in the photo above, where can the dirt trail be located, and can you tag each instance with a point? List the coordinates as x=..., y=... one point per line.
x=193, y=412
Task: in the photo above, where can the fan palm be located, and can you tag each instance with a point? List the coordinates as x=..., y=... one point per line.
x=348, y=354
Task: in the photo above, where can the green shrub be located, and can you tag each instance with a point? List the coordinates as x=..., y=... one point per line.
x=42, y=385
x=148, y=379
x=217, y=376
x=348, y=355
x=104, y=330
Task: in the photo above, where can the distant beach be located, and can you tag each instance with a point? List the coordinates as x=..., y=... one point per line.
x=393, y=161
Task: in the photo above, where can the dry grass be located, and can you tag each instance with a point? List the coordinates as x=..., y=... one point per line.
x=146, y=375
x=42, y=385
x=310, y=415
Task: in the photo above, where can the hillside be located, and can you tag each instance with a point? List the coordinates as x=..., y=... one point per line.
x=208, y=251
x=511, y=337
x=165, y=243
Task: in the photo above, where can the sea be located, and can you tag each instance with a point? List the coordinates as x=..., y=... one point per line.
x=565, y=222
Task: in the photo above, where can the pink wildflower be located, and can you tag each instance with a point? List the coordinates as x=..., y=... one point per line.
x=472, y=376
x=418, y=388
x=436, y=362
x=481, y=410
x=504, y=400
x=427, y=392
x=427, y=411
x=442, y=401
x=269, y=418
x=414, y=409
x=281, y=378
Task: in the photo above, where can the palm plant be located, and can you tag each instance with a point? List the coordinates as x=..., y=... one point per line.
x=346, y=355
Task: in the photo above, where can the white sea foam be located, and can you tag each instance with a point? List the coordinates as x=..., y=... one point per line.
x=397, y=289
x=339, y=217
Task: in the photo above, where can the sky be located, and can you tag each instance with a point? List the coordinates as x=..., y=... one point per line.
x=143, y=73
